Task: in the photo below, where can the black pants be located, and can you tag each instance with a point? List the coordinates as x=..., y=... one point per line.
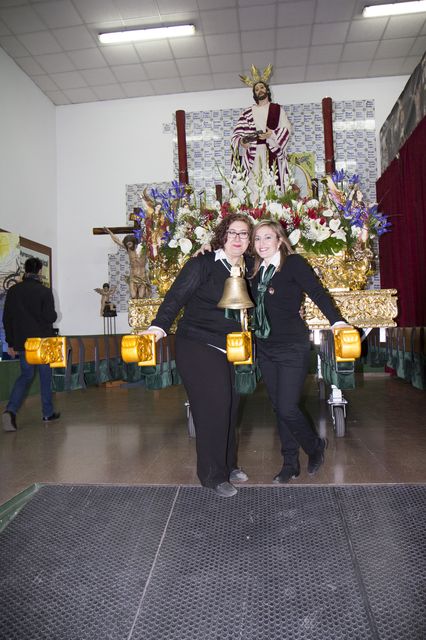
x=284, y=369
x=208, y=378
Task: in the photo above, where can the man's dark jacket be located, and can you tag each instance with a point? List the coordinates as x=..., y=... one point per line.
x=29, y=312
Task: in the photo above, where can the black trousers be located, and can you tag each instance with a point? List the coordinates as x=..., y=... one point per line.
x=284, y=369
x=208, y=379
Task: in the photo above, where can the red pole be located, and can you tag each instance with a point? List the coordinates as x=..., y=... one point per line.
x=219, y=192
x=327, y=115
x=181, y=140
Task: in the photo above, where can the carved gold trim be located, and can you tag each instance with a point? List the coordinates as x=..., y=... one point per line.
x=363, y=309
x=142, y=312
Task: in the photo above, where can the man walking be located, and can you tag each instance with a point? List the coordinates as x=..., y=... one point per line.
x=29, y=312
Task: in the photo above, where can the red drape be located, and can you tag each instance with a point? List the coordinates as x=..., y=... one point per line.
x=401, y=193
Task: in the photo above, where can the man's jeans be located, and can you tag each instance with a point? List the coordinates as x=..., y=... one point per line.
x=22, y=384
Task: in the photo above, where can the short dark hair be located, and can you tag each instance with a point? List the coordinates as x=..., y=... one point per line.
x=268, y=91
x=105, y=284
x=33, y=265
x=221, y=231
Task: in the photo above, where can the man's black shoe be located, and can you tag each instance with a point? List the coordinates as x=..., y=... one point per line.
x=287, y=473
x=54, y=416
x=316, y=459
x=9, y=421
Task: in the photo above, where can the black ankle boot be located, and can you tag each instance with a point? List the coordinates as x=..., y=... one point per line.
x=316, y=459
x=287, y=473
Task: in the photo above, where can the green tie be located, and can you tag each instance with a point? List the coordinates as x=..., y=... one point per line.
x=261, y=322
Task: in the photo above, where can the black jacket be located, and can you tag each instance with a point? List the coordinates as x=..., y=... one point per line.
x=284, y=297
x=29, y=312
x=198, y=288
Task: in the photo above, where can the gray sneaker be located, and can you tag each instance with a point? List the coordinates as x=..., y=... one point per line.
x=9, y=421
x=238, y=475
x=225, y=490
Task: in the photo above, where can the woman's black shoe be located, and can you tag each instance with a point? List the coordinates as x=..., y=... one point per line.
x=286, y=474
x=316, y=459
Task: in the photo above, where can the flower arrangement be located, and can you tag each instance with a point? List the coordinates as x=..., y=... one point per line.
x=336, y=221
x=173, y=225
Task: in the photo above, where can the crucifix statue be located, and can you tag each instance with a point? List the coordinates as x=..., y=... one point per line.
x=137, y=280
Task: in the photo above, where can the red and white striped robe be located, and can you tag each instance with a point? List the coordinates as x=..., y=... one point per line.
x=276, y=144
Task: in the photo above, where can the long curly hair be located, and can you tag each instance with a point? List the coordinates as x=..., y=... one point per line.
x=221, y=231
x=285, y=246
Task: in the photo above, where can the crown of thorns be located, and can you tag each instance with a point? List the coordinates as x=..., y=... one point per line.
x=256, y=76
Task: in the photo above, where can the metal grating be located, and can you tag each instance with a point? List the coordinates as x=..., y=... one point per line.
x=293, y=563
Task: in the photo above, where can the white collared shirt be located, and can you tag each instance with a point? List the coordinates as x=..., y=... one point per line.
x=275, y=260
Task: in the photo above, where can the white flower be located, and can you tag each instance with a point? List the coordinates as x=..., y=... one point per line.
x=340, y=234
x=235, y=203
x=334, y=224
x=185, y=245
x=276, y=209
x=328, y=213
x=203, y=235
x=294, y=237
x=312, y=204
x=173, y=243
x=317, y=231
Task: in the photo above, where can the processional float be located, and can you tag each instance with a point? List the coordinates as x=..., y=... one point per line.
x=344, y=274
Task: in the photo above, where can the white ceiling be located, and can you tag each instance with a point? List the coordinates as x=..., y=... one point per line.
x=56, y=44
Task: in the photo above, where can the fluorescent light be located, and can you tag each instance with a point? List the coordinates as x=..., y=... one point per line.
x=134, y=35
x=394, y=8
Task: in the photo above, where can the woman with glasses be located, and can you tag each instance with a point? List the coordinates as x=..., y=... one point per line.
x=200, y=346
x=280, y=278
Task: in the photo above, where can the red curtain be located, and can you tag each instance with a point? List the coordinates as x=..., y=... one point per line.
x=401, y=193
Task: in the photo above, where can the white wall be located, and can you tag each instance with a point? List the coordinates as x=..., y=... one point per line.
x=28, y=203
x=103, y=146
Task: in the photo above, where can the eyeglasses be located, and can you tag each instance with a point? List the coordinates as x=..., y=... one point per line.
x=243, y=235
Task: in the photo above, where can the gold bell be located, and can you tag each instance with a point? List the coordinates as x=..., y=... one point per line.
x=235, y=294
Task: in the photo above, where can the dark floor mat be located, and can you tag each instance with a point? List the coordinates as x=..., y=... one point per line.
x=169, y=563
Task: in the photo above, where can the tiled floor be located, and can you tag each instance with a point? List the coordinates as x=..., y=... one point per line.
x=134, y=436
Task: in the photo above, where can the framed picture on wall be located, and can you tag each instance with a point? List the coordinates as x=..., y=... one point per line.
x=31, y=249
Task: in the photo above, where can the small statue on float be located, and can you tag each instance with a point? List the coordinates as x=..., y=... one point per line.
x=108, y=308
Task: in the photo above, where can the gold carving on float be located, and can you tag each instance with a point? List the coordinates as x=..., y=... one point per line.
x=364, y=309
x=345, y=270
x=142, y=311
x=140, y=349
x=50, y=351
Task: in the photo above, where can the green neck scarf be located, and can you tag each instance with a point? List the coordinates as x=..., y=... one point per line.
x=261, y=322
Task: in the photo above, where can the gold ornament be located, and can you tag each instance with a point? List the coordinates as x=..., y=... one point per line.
x=347, y=344
x=50, y=351
x=343, y=271
x=363, y=309
x=256, y=76
x=140, y=349
x=239, y=348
